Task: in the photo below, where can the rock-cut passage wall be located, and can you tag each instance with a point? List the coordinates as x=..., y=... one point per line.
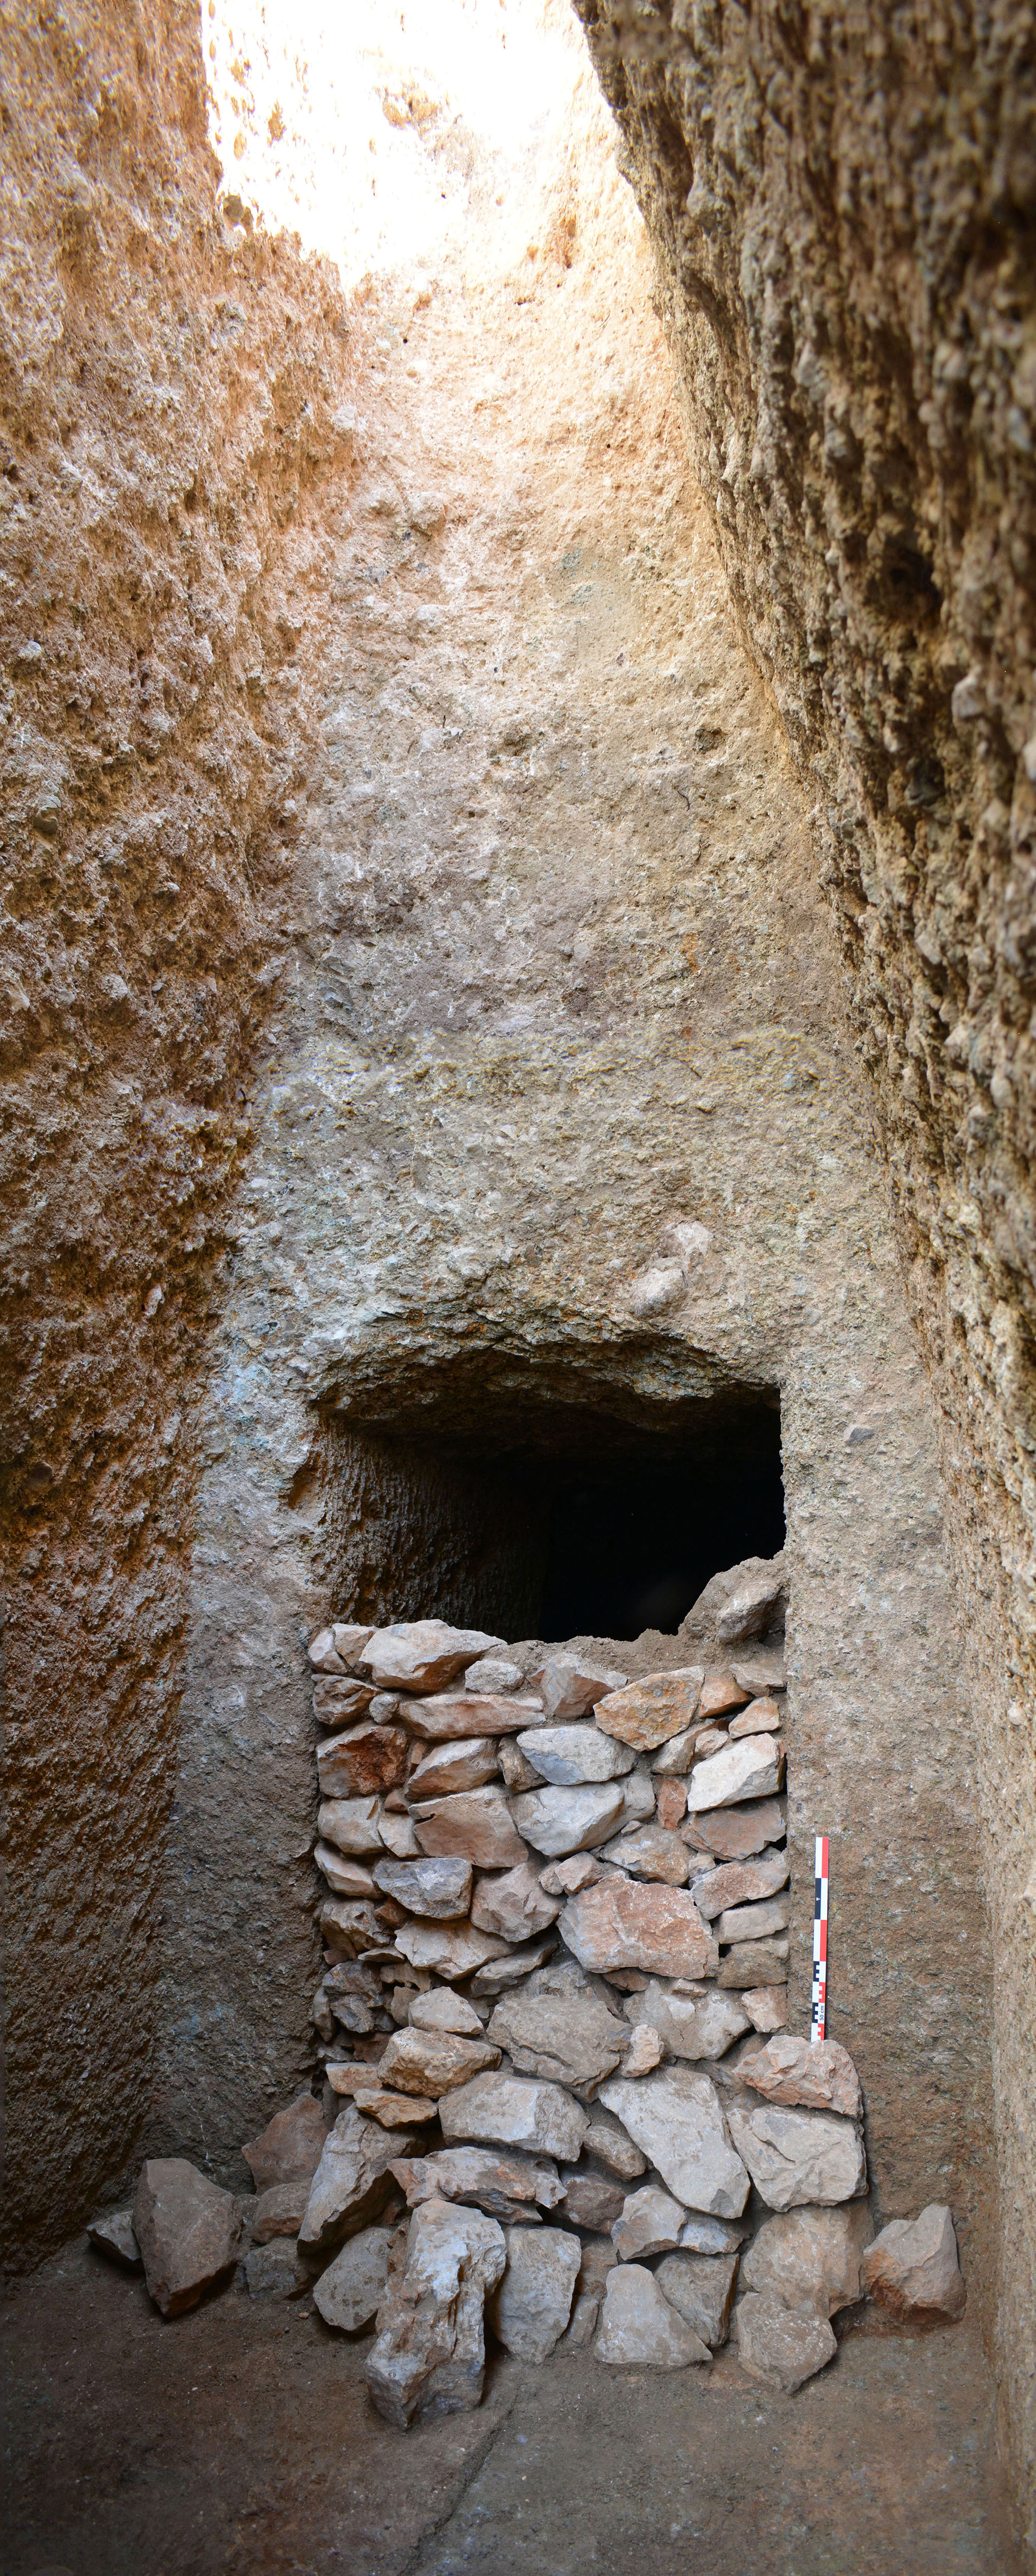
x=843, y=203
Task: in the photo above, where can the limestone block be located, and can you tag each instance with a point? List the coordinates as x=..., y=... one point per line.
x=703, y=2235
x=622, y=1924
x=754, y=1963
x=340, y=1703
x=570, y=2039
x=566, y=1877
x=443, y=2010
x=913, y=2268
x=334, y=1649
x=569, y=1687
x=433, y=2061
x=743, y=1882
x=391, y=2110
x=475, y=1825
x=352, y=2181
x=692, y=2026
x=463, y=1714
x=752, y=1769
x=275, y=2272
x=188, y=2232
x=397, y=1833
x=349, y=2294
x=638, y=2327
x=590, y=2199
x=721, y=1695
x=749, y=1608
x=648, y=1712
x=532, y=2302
x=509, y=2110
x=424, y=1654
x=787, y=2345
x=810, y=2258
x=350, y=1924
x=670, y=1800
x=753, y=1922
x=761, y=1717
x=429, y=2355
x=513, y=2187
x=556, y=1821
x=735, y=1833
x=766, y=2006
x=351, y=1824
x=365, y=1759
x=649, y=2222
x=676, y=2118
x=439, y=1889
x=649, y=1851
x=611, y=2145
x=567, y=1756
x=701, y=2289
x=519, y=1772
x=818, y=2076
x=113, y=2236
x=344, y=1877
x=279, y=2211
x=796, y=2157
x=453, y=1766
x=638, y=1797
x=447, y=1949
x=515, y=1904
x=514, y=1965
x=646, y=2051
x=493, y=1673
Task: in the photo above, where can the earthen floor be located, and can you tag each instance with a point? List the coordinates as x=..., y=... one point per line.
x=239, y=2442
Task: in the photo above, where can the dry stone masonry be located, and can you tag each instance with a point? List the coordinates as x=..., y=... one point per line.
x=560, y=2096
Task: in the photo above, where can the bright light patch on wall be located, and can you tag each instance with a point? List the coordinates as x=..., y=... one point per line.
x=392, y=137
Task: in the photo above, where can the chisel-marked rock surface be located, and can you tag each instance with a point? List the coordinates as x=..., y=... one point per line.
x=676, y=2118
x=639, y=2330
x=913, y=2268
x=787, y=2345
x=532, y=2302
x=810, y=2258
x=701, y=2289
x=512, y=2187
x=516, y=2111
x=795, y=2157
x=350, y=2292
x=188, y=2231
x=430, y=2353
x=622, y=1924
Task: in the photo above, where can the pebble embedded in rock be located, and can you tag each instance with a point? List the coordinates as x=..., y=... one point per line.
x=424, y=1654
x=532, y=2302
x=650, y=2222
x=429, y=2355
x=439, y=1888
x=784, y=2344
x=508, y=2110
x=569, y=1756
x=816, y=2075
x=433, y=2061
x=646, y=1713
x=624, y=1923
x=913, y=2268
x=350, y=2292
x=810, y=2258
x=701, y=2289
x=795, y=2157
x=453, y=1766
x=677, y=2118
x=366, y=1758
x=556, y=1821
x=515, y=1904
x=752, y=1769
x=475, y=1825
x=188, y=2231
x=113, y=2236
x=638, y=2328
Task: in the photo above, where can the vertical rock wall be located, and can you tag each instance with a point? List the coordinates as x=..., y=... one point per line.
x=843, y=202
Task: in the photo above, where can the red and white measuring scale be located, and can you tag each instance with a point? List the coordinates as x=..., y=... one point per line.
x=818, y=2014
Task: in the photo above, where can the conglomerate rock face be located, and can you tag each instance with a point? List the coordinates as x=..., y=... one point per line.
x=843, y=201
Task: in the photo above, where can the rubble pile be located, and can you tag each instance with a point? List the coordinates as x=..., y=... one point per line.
x=560, y=2096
